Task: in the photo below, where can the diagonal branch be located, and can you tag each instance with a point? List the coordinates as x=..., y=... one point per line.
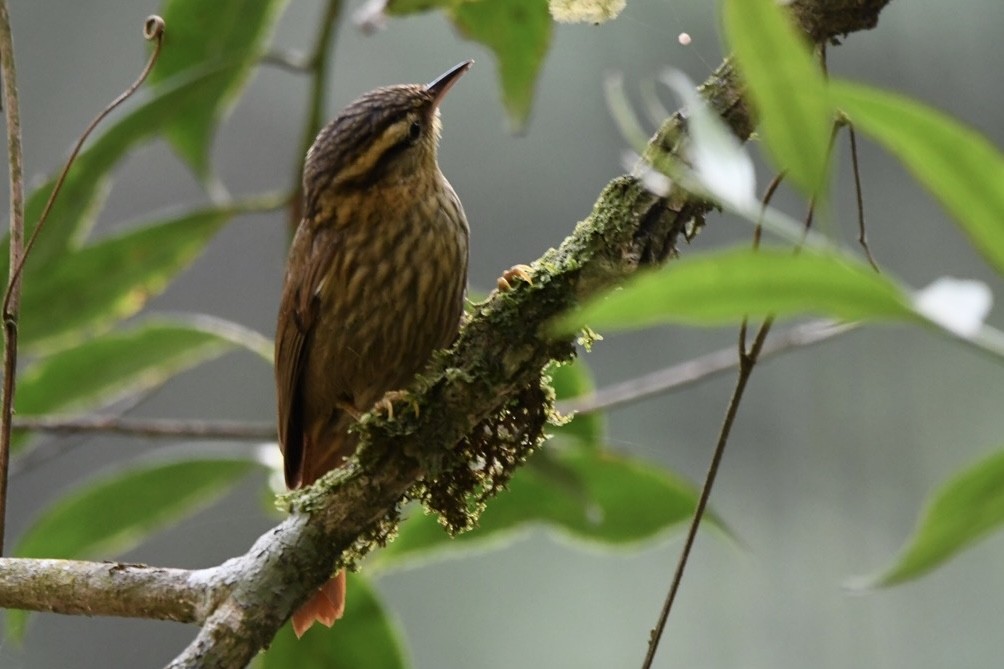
x=501, y=351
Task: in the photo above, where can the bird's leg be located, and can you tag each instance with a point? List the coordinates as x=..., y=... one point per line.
x=348, y=407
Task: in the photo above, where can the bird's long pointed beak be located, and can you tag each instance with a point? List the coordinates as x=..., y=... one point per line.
x=442, y=84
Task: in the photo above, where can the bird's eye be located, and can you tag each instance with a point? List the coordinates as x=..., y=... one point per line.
x=415, y=131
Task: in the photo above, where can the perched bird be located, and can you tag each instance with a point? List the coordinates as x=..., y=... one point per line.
x=375, y=282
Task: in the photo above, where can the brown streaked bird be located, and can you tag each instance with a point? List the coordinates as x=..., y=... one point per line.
x=375, y=282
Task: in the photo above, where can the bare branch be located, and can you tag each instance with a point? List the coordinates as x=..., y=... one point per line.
x=153, y=29
x=677, y=377
x=291, y=61
x=856, y=171
x=149, y=427
x=747, y=361
x=107, y=589
x=12, y=297
x=316, y=64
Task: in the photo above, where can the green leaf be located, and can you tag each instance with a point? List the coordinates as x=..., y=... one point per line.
x=963, y=170
x=199, y=33
x=574, y=380
x=724, y=286
x=115, y=513
x=235, y=333
x=518, y=32
x=366, y=637
x=81, y=197
x=963, y=511
x=88, y=290
x=111, y=366
x=606, y=499
x=92, y=521
x=786, y=86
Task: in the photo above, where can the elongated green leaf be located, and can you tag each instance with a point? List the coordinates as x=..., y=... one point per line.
x=88, y=290
x=110, y=515
x=963, y=170
x=235, y=333
x=965, y=510
x=518, y=32
x=366, y=637
x=786, y=87
x=606, y=499
x=79, y=200
x=725, y=286
x=574, y=380
x=94, y=520
x=110, y=366
x=200, y=33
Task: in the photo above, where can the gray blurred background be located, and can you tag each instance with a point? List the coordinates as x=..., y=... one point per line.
x=835, y=447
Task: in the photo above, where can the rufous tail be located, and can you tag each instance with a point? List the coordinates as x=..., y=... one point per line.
x=325, y=607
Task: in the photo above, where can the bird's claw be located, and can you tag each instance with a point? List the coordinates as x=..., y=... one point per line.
x=521, y=272
x=385, y=404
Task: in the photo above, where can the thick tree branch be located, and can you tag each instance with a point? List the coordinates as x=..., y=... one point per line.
x=500, y=352
x=107, y=589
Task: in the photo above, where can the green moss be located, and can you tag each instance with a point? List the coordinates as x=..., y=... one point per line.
x=481, y=465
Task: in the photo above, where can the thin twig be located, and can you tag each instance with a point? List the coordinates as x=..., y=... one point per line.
x=747, y=360
x=153, y=29
x=807, y=225
x=317, y=64
x=149, y=427
x=676, y=377
x=767, y=197
x=758, y=229
x=12, y=300
x=291, y=61
x=862, y=238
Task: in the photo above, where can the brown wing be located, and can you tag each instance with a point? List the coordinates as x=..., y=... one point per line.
x=309, y=258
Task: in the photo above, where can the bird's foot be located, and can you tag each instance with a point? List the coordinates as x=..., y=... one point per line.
x=385, y=404
x=521, y=272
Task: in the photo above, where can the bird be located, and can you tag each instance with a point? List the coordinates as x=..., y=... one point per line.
x=375, y=282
